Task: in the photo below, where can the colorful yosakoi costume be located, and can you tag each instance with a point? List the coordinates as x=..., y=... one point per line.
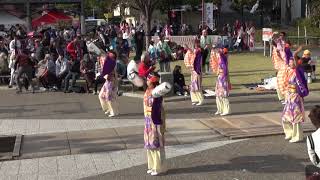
x=219, y=64
x=293, y=113
x=108, y=93
x=196, y=79
x=280, y=62
x=154, y=129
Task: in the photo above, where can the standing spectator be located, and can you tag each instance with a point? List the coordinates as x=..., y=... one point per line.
x=165, y=55
x=251, y=32
x=62, y=69
x=14, y=47
x=40, y=50
x=74, y=74
x=24, y=66
x=75, y=52
x=153, y=52
x=205, y=43
x=167, y=30
x=139, y=40
x=87, y=70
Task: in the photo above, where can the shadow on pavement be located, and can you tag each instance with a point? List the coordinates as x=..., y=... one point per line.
x=255, y=164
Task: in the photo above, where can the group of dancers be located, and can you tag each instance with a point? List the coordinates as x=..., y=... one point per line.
x=154, y=113
x=292, y=86
x=219, y=65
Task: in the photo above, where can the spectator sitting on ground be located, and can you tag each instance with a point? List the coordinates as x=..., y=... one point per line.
x=87, y=67
x=145, y=66
x=122, y=62
x=42, y=72
x=180, y=87
x=52, y=78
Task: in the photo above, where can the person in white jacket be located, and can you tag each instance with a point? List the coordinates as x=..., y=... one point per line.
x=313, y=140
x=14, y=47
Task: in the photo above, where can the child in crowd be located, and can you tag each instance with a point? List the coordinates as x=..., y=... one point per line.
x=180, y=87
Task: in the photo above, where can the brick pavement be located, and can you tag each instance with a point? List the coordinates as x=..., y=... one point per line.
x=59, y=113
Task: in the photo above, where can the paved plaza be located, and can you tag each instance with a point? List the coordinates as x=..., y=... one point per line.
x=66, y=136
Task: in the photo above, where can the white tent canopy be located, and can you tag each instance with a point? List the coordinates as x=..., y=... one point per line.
x=8, y=19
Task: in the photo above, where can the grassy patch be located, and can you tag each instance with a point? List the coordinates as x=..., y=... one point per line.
x=245, y=68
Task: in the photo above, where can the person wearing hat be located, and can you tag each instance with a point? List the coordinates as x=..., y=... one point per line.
x=154, y=128
x=223, y=85
x=308, y=65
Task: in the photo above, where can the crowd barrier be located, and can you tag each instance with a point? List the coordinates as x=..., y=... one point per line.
x=189, y=40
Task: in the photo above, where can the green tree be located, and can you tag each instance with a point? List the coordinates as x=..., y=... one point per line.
x=314, y=12
x=99, y=6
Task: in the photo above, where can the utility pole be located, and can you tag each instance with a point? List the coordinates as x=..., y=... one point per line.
x=203, y=13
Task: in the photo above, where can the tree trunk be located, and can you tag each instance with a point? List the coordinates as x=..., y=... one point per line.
x=148, y=29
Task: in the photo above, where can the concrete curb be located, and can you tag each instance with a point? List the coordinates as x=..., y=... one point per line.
x=17, y=146
x=184, y=98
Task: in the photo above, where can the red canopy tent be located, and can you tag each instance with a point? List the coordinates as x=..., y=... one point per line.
x=50, y=18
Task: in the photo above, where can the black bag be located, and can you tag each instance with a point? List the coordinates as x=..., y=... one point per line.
x=312, y=172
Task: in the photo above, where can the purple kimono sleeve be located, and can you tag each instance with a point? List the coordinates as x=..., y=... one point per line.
x=156, y=111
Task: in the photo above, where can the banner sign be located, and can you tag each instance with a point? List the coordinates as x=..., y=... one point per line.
x=266, y=34
x=209, y=15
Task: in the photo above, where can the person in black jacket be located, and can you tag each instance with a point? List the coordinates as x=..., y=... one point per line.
x=180, y=87
x=139, y=39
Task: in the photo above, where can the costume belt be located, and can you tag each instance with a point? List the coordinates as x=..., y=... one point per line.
x=292, y=88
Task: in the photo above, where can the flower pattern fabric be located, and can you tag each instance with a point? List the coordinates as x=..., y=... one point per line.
x=294, y=108
x=153, y=134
